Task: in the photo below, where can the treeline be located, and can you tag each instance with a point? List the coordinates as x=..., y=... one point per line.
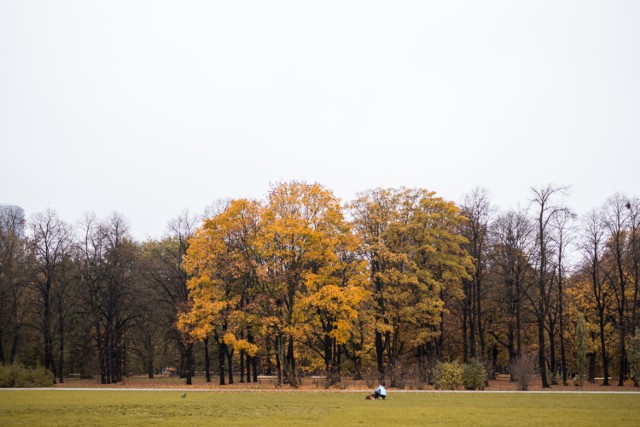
x=386, y=286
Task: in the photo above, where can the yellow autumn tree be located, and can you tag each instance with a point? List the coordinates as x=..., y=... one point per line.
x=302, y=233
x=415, y=255
x=223, y=265
x=333, y=302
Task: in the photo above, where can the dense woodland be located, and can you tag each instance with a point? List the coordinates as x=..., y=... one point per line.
x=299, y=283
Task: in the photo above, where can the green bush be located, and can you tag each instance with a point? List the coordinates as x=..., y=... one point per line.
x=474, y=376
x=448, y=376
x=21, y=377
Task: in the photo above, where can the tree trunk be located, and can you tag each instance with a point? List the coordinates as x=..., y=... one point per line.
x=541, y=306
x=563, y=358
x=621, y=349
x=552, y=350
x=248, y=365
x=14, y=344
x=292, y=376
x=221, y=356
x=483, y=345
x=61, y=349
x=46, y=328
x=494, y=361
x=268, y=350
x=379, y=356
x=465, y=339
x=242, y=358
x=229, y=353
x=207, y=360
x=189, y=364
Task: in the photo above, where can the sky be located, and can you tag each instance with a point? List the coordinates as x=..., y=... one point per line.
x=151, y=108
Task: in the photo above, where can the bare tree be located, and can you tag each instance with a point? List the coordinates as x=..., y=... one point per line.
x=634, y=258
x=592, y=248
x=616, y=220
x=165, y=270
x=13, y=276
x=108, y=271
x=511, y=246
x=51, y=246
x=563, y=235
x=545, y=210
x=477, y=209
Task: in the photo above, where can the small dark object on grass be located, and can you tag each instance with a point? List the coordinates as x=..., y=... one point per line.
x=369, y=397
x=184, y=395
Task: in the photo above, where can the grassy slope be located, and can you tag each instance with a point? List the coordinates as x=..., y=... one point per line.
x=120, y=408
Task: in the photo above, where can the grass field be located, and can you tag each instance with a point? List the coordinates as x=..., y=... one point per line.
x=120, y=408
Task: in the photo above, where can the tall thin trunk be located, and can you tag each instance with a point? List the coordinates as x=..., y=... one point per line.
x=621, y=312
x=472, y=320
x=268, y=349
x=207, y=360
x=380, y=315
x=248, y=365
x=552, y=349
x=541, y=305
x=255, y=369
x=465, y=321
x=189, y=364
x=229, y=352
x=242, y=359
x=563, y=357
x=61, y=347
x=46, y=328
x=483, y=345
x=221, y=356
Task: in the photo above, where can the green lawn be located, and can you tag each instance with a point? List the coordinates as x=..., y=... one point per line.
x=264, y=408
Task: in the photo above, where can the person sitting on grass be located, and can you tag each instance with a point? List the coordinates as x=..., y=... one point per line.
x=380, y=392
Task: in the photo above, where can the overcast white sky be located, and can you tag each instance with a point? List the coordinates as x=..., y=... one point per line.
x=152, y=107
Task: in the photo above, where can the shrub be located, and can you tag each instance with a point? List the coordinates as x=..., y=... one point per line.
x=581, y=352
x=448, y=376
x=21, y=377
x=6, y=376
x=474, y=376
x=522, y=370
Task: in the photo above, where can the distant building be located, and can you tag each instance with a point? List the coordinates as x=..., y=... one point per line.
x=12, y=217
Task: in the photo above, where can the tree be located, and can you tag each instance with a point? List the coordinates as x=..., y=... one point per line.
x=545, y=211
x=300, y=230
x=164, y=269
x=476, y=208
x=108, y=276
x=563, y=233
x=14, y=272
x=592, y=249
x=51, y=246
x=616, y=221
x=333, y=303
x=512, y=235
x=223, y=267
x=415, y=255
x=374, y=212
x=633, y=258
